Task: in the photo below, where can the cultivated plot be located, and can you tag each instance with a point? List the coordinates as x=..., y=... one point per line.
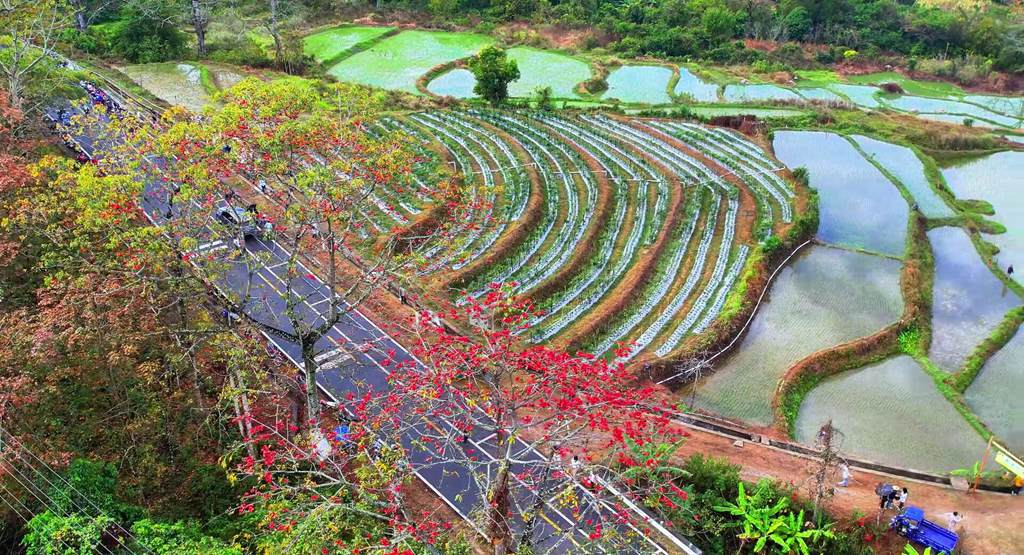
x=892, y=413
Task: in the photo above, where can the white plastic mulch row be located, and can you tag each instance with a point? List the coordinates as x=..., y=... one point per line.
x=660, y=288
x=679, y=299
x=717, y=275
x=599, y=287
x=575, y=225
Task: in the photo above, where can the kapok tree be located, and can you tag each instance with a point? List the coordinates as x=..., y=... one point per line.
x=533, y=435
x=300, y=152
x=538, y=430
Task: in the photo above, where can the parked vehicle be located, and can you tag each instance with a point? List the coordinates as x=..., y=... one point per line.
x=912, y=525
x=238, y=217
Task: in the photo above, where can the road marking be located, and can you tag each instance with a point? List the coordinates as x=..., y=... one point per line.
x=333, y=358
x=211, y=246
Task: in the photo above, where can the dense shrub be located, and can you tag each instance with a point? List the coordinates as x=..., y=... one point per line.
x=145, y=35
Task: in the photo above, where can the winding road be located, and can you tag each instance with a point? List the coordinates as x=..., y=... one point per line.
x=345, y=368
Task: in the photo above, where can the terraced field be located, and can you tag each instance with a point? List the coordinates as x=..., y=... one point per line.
x=623, y=231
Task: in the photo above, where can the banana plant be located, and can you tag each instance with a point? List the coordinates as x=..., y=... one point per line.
x=760, y=523
x=910, y=550
x=793, y=536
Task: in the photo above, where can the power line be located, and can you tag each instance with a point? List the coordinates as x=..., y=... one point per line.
x=21, y=445
x=33, y=493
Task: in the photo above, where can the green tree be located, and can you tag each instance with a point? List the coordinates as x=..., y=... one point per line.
x=719, y=23
x=493, y=71
x=543, y=96
x=147, y=32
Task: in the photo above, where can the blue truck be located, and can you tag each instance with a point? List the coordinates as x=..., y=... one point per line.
x=912, y=524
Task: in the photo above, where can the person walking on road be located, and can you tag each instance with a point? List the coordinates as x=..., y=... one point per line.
x=954, y=520
x=844, y=472
x=1018, y=485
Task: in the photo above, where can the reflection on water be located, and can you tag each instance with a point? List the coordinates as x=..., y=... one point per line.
x=908, y=169
x=457, y=82
x=860, y=207
x=997, y=394
x=543, y=68
x=695, y=87
x=968, y=300
x=892, y=413
x=940, y=106
x=824, y=297
x=177, y=84
x=749, y=93
x=997, y=179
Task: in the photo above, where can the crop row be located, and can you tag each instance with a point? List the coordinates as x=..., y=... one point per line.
x=633, y=238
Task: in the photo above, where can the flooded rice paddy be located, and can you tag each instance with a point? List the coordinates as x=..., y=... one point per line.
x=860, y=207
x=695, y=87
x=969, y=301
x=905, y=166
x=998, y=179
x=891, y=413
x=458, y=83
x=397, y=62
x=824, y=297
x=543, y=68
x=331, y=43
x=996, y=396
x=752, y=93
x=176, y=84
x=643, y=84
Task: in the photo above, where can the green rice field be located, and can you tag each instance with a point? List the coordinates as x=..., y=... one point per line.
x=397, y=62
x=327, y=45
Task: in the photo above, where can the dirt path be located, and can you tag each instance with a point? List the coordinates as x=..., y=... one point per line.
x=994, y=523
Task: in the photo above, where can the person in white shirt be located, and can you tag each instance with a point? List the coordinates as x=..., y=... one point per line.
x=903, y=498
x=954, y=520
x=844, y=471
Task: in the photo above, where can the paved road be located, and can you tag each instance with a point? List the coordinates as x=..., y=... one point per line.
x=345, y=367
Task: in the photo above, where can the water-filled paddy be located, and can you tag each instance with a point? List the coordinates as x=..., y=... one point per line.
x=542, y=68
x=397, y=62
x=905, y=166
x=819, y=93
x=695, y=87
x=997, y=179
x=910, y=86
x=995, y=396
x=713, y=111
x=750, y=93
x=860, y=207
x=861, y=95
x=643, y=84
x=940, y=106
x=327, y=45
x=177, y=84
x=892, y=413
x=457, y=82
x=969, y=302
x=825, y=297
x=958, y=120
x=1012, y=106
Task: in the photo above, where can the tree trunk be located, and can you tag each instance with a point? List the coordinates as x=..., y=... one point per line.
x=240, y=402
x=498, y=527
x=199, y=24
x=312, y=394
x=79, y=9
x=276, y=34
